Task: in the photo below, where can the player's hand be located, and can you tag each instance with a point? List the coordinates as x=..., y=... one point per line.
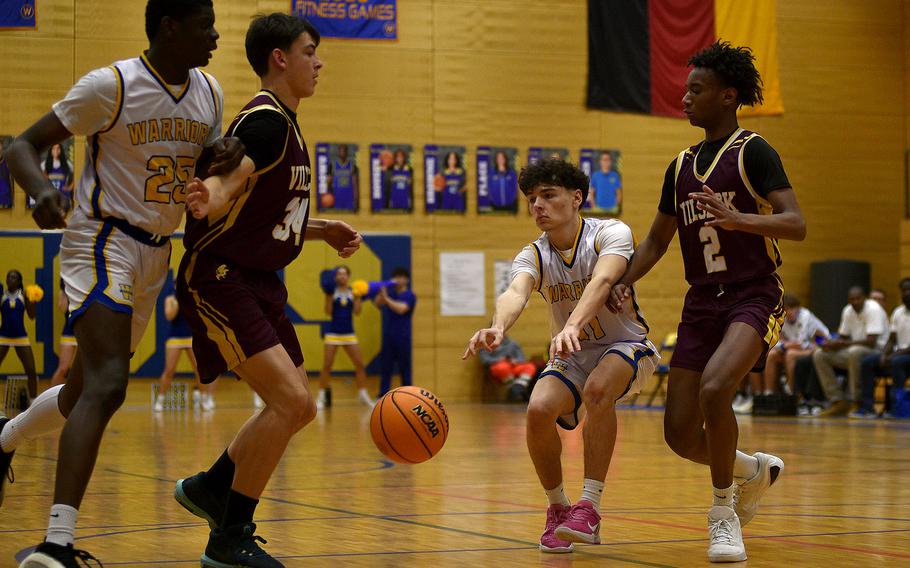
x=342, y=237
x=488, y=338
x=228, y=153
x=565, y=343
x=619, y=294
x=50, y=210
x=708, y=201
x=197, y=199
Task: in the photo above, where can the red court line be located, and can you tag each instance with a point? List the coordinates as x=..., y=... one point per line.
x=871, y=551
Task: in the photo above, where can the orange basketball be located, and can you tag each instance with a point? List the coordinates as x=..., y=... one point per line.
x=327, y=200
x=409, y=425
x=439, y=182
x=386, y=158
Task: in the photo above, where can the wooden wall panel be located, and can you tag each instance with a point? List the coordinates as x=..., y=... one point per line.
x=513, y=72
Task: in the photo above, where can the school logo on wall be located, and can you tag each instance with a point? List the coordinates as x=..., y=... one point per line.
x=18, y=14
x=350, y=19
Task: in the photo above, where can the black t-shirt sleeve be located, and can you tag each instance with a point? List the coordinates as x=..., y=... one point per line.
x=668, y=194
x=264, y=134
x=763, y=167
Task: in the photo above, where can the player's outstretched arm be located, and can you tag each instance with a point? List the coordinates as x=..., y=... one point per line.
x=210, y=198
x=51, y=206
x=648, y=252
x=509, y=306
x=608, y=270
x=786, y=223
x=337, y=234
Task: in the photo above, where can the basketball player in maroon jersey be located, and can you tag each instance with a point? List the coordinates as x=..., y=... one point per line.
x=246, y=226
x=729, y=199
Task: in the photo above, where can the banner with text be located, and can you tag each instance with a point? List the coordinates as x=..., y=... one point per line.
x=350, y=19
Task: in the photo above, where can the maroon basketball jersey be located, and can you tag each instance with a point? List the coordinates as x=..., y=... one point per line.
x=712, y=255
x=265, y=226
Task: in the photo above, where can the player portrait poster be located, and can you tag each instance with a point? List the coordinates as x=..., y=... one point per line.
x=6, y=178
x=57, y=165
x=391, y=178
x=337, y=177
x=604, y=169
x=497, y=180
x=445, y=179
x=536, y=153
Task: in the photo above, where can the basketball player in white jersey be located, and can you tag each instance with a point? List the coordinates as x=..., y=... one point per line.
x=147, y=122
x=597, y=357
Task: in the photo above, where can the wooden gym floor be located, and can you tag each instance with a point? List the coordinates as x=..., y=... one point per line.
x=843, y=500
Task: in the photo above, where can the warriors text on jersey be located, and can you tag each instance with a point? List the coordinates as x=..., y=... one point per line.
x=143, y=139
x=713, y=255
x=561, y=277
x=265, y=233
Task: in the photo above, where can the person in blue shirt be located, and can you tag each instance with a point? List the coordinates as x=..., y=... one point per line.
x=13, y=310
x=397, y=305
x=342, y=305
x=606, y=186
x=452, y=198
x=503, y=185
x=344, y=180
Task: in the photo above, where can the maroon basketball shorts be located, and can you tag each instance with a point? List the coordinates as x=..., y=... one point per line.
x=710, y=309
x=234, y=313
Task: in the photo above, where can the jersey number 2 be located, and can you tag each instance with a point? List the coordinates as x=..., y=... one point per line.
x=167, y=170
x=293, y=221
x=714, y=261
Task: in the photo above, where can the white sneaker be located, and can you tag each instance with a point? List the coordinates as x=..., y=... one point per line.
x=749, y=492
x=197, y=399
x=159, y=404
x=745, y=407
x=726, y=536
x=320, y=400
x=208, y=403
x=738, y=399
x=364, y=397
x=257, y=401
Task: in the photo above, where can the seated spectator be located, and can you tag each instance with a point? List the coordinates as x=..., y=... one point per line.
x=807, y=387
x=507, y=365
x=894, y=360
x=863, y=330
x=878, y=295
x=798, y=337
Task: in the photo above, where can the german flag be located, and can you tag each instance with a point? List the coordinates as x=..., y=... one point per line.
x=638, y=50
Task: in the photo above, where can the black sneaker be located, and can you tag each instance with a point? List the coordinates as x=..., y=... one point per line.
x=49, y=555
x=6, y=469
x=196, y=498
x=237, y=546
x=328, y=397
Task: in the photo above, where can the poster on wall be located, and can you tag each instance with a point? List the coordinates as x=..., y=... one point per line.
x=57, y=165
x=445, y=178
x=363, y=19
x=6, y=178
x=536, y=153
x=461, y=284
x=18, y=14
x=391, y=178
x=604, y=169
x=337, y=177
x=497, y=180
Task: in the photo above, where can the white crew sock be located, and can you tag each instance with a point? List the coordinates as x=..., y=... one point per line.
x=61, y=527
x=591, y=491
x=557, y=496
x=42, y=417
x=724, y=497
x=744, y=466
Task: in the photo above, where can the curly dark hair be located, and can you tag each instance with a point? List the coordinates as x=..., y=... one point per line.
x=553, y=171
x=736, y=68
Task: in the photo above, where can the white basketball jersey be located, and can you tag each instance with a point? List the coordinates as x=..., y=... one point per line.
x=138, y=165
x=562, y=277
